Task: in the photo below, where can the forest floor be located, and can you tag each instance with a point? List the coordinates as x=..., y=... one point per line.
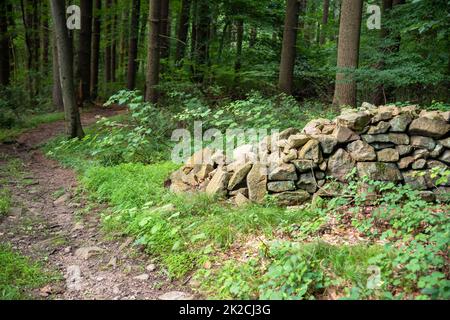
x=44, y=225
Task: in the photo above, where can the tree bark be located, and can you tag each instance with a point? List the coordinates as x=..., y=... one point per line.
x=133, y=50
x=183, y=28
x=108, y=48
x=84, y=50
x=5, y=64
x=326, y=10
x=153, y=58
x=65, y=62
x=45, y=37
x=95, y=56
x=114, y=30
x=286, y=76
x=348, y=52
x=164, y=31
x=379, y=96
x=202, y=42
x=56, y=89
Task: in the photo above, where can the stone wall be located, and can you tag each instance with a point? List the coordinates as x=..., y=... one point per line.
x=385, y=143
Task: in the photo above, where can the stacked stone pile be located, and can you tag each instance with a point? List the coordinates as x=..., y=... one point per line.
x=386, y=143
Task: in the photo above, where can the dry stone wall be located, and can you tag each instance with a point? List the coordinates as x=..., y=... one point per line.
x=386, y=143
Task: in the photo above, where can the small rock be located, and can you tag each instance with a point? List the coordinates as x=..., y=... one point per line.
x=176, y=295
x=419, y=164
x=340, y=165
x=423, y=142
x=400, y=123
x=381, y=127
x=219, y=183
x=297, y=141
x=344, y=135
x=280, y=186
x=88, y=252
x=241, y=200
x=282, y=172
x=311, y=151
x=388, y=155
x=151, y=267
x=305, y=165
x=292, y=198
x=73, y=278
x=142, y=277
x=354, y=121
x=403, y=150
x=239, y=175
x=379, y=171
x=361, y=151
x=256, y=183
x=61, y=200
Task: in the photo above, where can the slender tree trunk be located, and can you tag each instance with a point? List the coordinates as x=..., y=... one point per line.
x=164, y=31
x=239, y=40
x=5, y=64
x=326, y=10
x=348, y=52
x=45, y=37
x=114, y=43
x=183, y=28
x=133, y=50
x=202, y=42
x=65, y=62
x=222, y=40
x=152, y=78
x=286, y=76
x=95, y=56
x=109, y=35
x=27, y=23
x=56, y=90
x=84, y=50
x=194, y=29
x=379, y=97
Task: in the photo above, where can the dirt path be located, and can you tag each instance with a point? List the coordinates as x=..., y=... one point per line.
x=50, y=222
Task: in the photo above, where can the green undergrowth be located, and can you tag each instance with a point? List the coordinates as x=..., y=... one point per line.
x=5, y=201
x=19, y=275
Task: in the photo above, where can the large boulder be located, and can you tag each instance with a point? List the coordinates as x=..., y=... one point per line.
x=423, y=142
x=361, y=151
x=354, y=121
x=379, y=171
x=311, y=151
x=292, y=198
x=388, y=155
x=218, y=184
x=257, y=183
x=340, y=165
x=400, y=123
x=344, y=135
x=239, y=175
x=281, y=186
x=282, y=172
x=427, y=127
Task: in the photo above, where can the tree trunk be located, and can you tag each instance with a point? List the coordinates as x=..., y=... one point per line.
x=239, y=40
x=5, y=64
x=153, y=58
x=133, y=50
x=56, y=90
x=379, y=97
x=348, y=52
x=183, y=28
x=95, y=56
x=286, y=76
x=84, y=50
x=164, y=31
x=326, y=10
x=45, y=38
x=114, y=30
x=108, y=48
x=202, y=43
x=65, y=62
x=194, y=29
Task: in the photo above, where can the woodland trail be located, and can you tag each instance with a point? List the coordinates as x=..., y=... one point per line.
x=50, y=222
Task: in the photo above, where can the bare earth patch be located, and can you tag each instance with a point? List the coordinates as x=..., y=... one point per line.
x=43, y=224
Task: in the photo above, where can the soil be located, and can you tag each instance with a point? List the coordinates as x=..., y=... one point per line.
x=51, y=222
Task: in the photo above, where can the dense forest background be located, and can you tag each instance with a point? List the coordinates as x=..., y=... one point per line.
x=199, y=54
